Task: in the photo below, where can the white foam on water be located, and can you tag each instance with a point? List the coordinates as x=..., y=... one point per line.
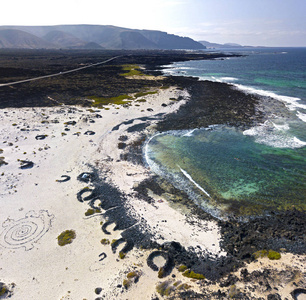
x=149, y=161
x=301, y=116
x=228, y=79
x=274, y=135
x=195, y=183
x=291, y=102
x=186, y=68
x=281, y=126
x=189, y=133
x=299, y=142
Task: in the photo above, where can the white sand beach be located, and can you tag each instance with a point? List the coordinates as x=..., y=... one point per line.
x=36, y=207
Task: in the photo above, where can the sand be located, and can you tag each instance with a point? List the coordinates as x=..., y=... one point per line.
x=36, y=206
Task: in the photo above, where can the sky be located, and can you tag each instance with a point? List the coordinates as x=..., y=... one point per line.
x=274, y=23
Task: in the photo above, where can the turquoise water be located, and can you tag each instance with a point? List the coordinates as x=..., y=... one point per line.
x=227, y=171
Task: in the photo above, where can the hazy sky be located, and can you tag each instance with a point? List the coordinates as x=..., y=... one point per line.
x=247, y=22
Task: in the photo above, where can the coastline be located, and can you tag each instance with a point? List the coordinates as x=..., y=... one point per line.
x=106, y=144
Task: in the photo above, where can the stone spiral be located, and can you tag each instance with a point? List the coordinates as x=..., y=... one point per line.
x=24, y=232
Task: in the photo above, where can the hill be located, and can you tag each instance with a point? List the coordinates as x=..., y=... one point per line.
x=215, y=45
x=14, y=38
x=80, y=36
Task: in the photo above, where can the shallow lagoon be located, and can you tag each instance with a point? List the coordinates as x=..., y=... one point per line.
x=227, y=171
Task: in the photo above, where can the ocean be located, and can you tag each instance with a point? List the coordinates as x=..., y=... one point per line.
x=229, y=171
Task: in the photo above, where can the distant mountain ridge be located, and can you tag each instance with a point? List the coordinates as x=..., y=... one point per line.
x=215, y=45
x=87, y=36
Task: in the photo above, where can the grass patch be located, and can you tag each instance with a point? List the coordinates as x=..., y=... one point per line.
x=119, y=100
x=273, y=255
x=131, y=70
x=193, y=275
x=66, y=237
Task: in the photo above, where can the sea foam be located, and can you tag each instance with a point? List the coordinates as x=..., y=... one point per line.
x=291, y=102
x=274, y=135
x=188, y=176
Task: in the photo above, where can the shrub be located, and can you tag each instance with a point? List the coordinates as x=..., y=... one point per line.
x=132, y=274
x=66, y=237
x=3, y=289
x=91, y=211
x=274, y=255
x=260, y=253
x=122, y=255
x=161, y=272
x=164, y=288
x=182, y=268
x=193, y=275
x=126, y=283
x=264, y=253
x=105, y=242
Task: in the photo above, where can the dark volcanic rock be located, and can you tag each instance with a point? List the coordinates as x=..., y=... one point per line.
x=274, y=231
x=211, y=103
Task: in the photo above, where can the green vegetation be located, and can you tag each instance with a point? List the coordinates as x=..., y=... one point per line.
x=132, y=274
x=3, y=289
x=130, y=278
x=105, y=242
x=66, y=237
x=232, y=291
x=273, y=255
x=193, y=275
x=131, y=70
x=122, y=255
x=91, y=211
x=123, y=99
x=260, y=253
x=182, y=268
x=127, y=283
x=164, y=288
x=161, y=272
x=119, y=100
x=184, y=286
x=177, y=283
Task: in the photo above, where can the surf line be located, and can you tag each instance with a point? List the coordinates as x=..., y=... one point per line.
x=195, y=183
